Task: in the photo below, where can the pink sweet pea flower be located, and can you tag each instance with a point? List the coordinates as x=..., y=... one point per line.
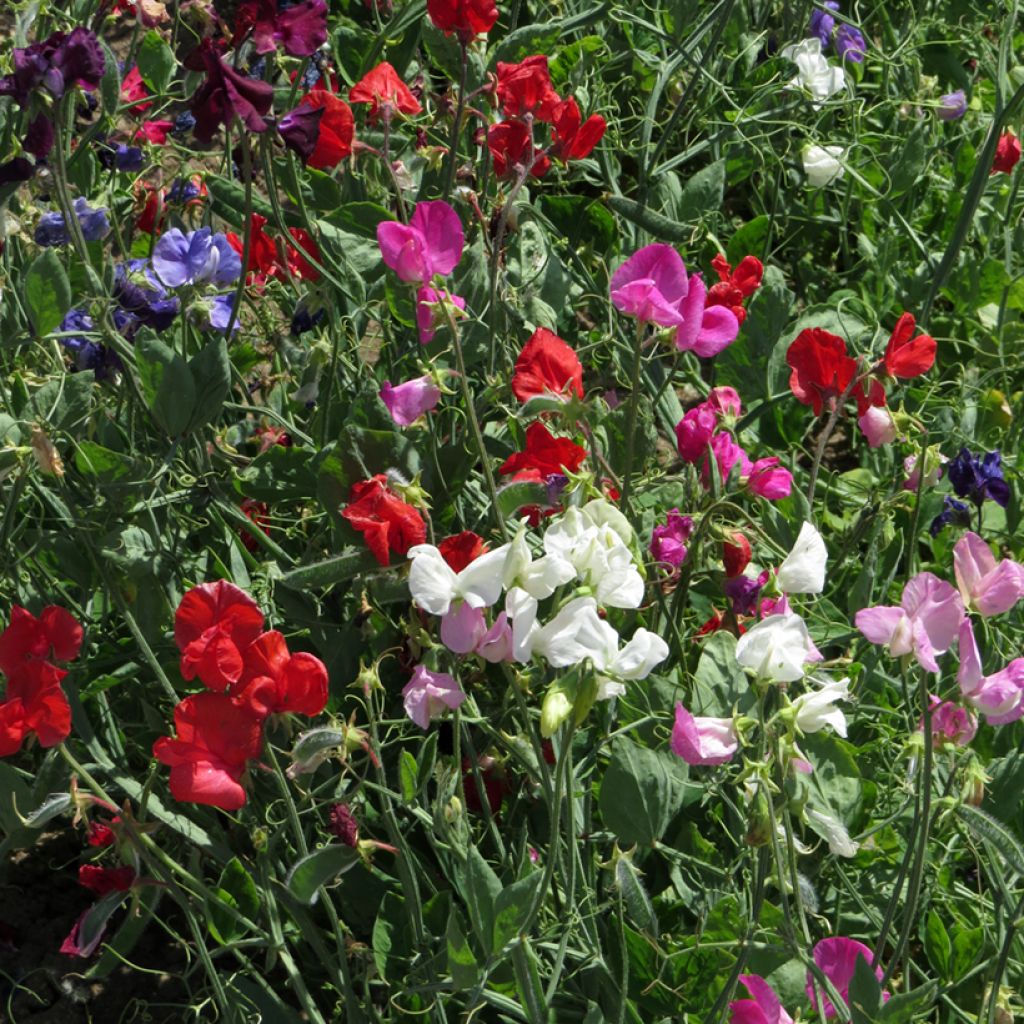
x=726, y=403
x=652, y=286
x=837, y=960
x=768, y=479
x=987, y=587
x=694, y=432
x=1000, y=696
x=703, y=740
x=727, y=454
x=428, y=319
x=409, y=401
x=925, y=623
x=877, y=425
x=431, y=243
x=496, y=643
x=764, y=1008
x=708, y=330
x=462, y=628
x=427, y=694
x=951, y=723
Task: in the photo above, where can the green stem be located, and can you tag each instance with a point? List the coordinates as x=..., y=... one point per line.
x=453, y=138
x=634, y=409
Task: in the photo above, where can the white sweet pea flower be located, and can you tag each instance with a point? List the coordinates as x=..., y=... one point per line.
x=803, y=571
x=575, y=633
x=816, y=709
x=602, y=512
x=521, y=608
x=539, y=577
x=435, y=586
x=822, y=165
x=777, y=648
x=833, y=831
x=814, y=73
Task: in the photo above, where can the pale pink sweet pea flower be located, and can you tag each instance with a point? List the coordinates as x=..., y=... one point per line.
x=427, y=694
x=925, y=623
x=951, y=723
x=430, y=244
x=428, y=318
x=933, y=475
x=409, y=401
x=462, y=627
x=652, y=286
x=703, y=740
x=878, y=426
x=763, y=1008
x=768, y=479
x=987, y=587
x=837, y=960
x=496, y=644
x=1000, y=696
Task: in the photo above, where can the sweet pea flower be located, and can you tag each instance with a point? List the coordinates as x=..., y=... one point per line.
x=877, y=426
x=822, y=165
x=822, y=24
x=462, y=628
x=925, y=623
x=225, y=94
x=832, y=830
x=703, y=740
x=777, y=648
x=430, y=315
x=1007, y=154
x=430, y=244
x=763, y=1008
x=435, y=586
x=743, y=592
x=1000, y=696
x=408, y=401
x=817, y=708
x=952, y=106
x=694, y=432
x=987, y=587
x=427, y=694
x=768, y=479
x=725, y=401
x=197, y=257
x=727, y=454
x=52, y=229
x=814, y=73
x=850, y=44
x=496, y=644
x=803, y=569
x=668, y=540
x=953, y=513
x=979, y=479
x=951, y=723
x=934, y=462
x=837, y=960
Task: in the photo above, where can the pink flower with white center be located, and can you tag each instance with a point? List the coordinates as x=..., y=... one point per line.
x=1000, y=696
x=409, y=401
x=768, y=479
x=763, y=1008
x=987, y=587
x=837, y=960
x=925, y=623
x=427, y=694
x=877, y=425
x=429, y=316
x=703, y=740
x=694, y=432
x=430, y=244
x=951, y=723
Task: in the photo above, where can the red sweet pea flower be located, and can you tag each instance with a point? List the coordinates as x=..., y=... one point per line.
x=525, y=88
x=336, y=130
x=214, y=624
x=822, y=370
x=101, y=835
x=277, y=682
x=458, y=551
x=906, y=356
x=386, y=522
x=265, y=260
x=226, y=94
x=154, y=132
x=547, y=365
x=304, y=246
x=571, y=139
x=545, y=455
x=216, y=738
x=734, y=286
x=133, y=88
x=384, y=90
x=300, y=29
x=29, y=642
x=257, y=512
x=34, y=703
x=467, y=18
x=1007, y=154
x=103, y=881
x=151, y=215
x=736, y=554
x=509, y=143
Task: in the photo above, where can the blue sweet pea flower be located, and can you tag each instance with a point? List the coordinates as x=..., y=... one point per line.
x=198, y=257
x=953, y=513
x=142, y=297
x=88, y=354
x=52, y=230
x=979, y=480
x=822, y=23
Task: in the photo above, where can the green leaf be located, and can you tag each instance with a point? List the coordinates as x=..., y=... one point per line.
x=408, y=771
x=513, y=497
x=47, y=292
x=211, y=375
x=703, y=193
x=994, y=832
x=639, y=794
x=750, y=240
x=480, y=887
x=512, y=907
x=52, y=807
x=167, y=384
x=156, y=62
x=905, y=1006
x=634, y=895
x=462, y=965
x=910, y=163
x=95, y=921
x=281, y=474
x=967, y=947
x=314, y=744
x=720, y=684
x=92, y=459
x=237, y=889
x=865, y=993
x=937, y=946
x=318, y=868
x=110, y=83
x=330, y=571
x=15, y=794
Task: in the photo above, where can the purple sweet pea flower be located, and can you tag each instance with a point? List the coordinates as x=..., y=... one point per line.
x=197, y=257
x=850, y=44
x=52, y=229
x=409, y=401
x=743, y=592
x=39, y=137
x=213, y=312
x=88, y=354
x=822, y=23
x=430, y=244
x=953, y=106
x=668, y=540
x=953, y=512
x=120, y=156
x=142, y=297
x=979, y=480
x=300, y=29
x=427, y=694
x=56, y=64
x=300, y=130
x=226, y=94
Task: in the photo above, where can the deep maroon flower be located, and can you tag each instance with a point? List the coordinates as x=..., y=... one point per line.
x=56, y=65
x=227, y=94
x=342, y=822
x=300, y=29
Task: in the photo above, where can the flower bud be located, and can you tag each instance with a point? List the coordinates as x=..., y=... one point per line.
x=555, y=710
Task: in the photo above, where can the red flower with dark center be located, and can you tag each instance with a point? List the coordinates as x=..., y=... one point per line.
x=466, y=18
x=34, y=703
x=509, y=143
x=458, y=551
x=386, y=522
x=103, y=881
x=905, y=355
x=545, y=454
x=734, y=286
x=547, y=365
x=571, y=137
x=822, y=371
x=276, y=682
x=216, y=738
x=28, y=642
x=214, y=624
x=382, y=87
x=525, y=88
x=1007, y=154
x=226, y=94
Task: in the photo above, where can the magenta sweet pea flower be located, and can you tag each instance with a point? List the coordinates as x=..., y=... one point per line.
x=652, y=286
x=767, y=479
x=727, y=405
x=727, y=454
x=430, y=244
x=428, y=693
x=694, y=432
x=706, y=331
x=763, y=1008
x=1000, y=696
x=409, y=401
x=951, y=723
x=668, y=540
x=427, y=317
x=925, y=623
x=837, y=960
x=987, y=587
x=703, y=740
